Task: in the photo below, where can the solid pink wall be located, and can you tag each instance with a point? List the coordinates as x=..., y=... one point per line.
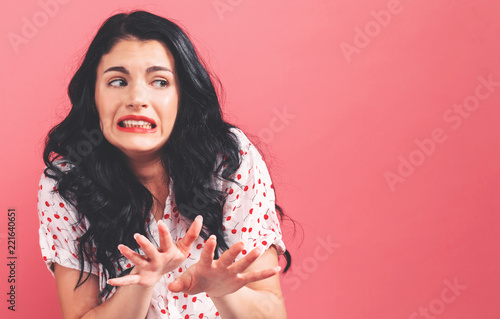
x=381, y=125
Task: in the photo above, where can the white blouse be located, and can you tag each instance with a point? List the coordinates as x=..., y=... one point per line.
x=249, y=216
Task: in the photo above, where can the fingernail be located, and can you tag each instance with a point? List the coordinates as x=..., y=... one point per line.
x=120, y=246
x=278, y=268
x=213, y=237
x=160, y=222
x=136, y=235
x=199, y=218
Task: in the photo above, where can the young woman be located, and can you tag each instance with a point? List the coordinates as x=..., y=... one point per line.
x=151, y=205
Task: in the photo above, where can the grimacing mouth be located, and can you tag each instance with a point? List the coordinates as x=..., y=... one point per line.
x=136, y=124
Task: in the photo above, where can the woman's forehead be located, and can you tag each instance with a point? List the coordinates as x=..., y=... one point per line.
x=135, y=53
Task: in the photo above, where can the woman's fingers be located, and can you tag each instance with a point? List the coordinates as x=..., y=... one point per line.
x=242, y=264
x=259, y=275
x=125, y=280
x=165, y=239
x=193, y=232
x=207, y=254
x=228, y=257
x=180, y=284
x=131, y=255
x=147, y=247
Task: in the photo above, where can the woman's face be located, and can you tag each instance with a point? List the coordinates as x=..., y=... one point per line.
x=137, y=95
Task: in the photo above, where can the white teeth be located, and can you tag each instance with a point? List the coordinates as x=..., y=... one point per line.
x=134, y=123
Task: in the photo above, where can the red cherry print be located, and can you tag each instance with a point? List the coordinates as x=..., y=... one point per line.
x=228, y=218
x=194, y=299
x=241, y=152
x=56, y=253
x=264, y=194
x=186, y=317
x=61, y=205
x=244, y=252
x=73, y=227
x=41, y=187
x=65, y=218
x=128, y=265
x=272, y=186
x=200, y=316
x=263, y=183
x=258, y=220
x=266, y=217
x=53, y=247
x=63, y=164
x=264, y=243
x=184, y=307
x=237, y=196
x=244, y=229
x=163, y=311
x=253, y=186
x=230, y=191
x=57, y=216
x=54, y=188
x=246, y=188
x=199, y=246
x=251, y=210
x=45, y=258
x=185, y=295
x=217, y=313
x=189, y=255
x=59, y=229
x=167, y=216
x=259, y=180
x=250, y=229
x=260, y=204
x=239, y=176
x=233, y=231
x=223, y=228
x=49, y=220
x=180, y=269
x=176, y=297
x=47, y=204
x=43, y=214
x=174, y=209
x=54, y=236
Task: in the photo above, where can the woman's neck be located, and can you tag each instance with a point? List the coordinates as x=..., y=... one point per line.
x=153, y=176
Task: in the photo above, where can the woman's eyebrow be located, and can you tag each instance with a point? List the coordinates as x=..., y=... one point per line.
x=148, y=70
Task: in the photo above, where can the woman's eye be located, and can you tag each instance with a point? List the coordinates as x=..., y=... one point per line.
x=160, y=83
x=117, y=83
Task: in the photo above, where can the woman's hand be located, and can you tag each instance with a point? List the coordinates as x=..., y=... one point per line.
x=157, y=261
x=220, y=277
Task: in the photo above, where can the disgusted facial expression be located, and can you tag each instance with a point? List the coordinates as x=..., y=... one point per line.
x=136, y=96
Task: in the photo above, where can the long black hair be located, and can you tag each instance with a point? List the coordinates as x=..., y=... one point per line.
x=99, y=181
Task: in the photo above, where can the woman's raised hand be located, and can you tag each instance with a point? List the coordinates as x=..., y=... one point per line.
x=222, y=276
x=157, y=261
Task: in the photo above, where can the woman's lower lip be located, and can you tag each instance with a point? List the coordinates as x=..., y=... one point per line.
x=136, y=129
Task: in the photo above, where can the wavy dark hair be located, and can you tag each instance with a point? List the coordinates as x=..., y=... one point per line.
x=99, y=182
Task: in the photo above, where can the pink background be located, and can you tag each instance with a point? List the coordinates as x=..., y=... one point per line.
x=377, y=156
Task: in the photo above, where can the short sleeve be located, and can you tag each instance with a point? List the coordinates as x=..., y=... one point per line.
x=59, y=229
x=249, y=211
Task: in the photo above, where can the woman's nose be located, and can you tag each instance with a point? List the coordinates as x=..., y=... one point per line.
x=138, y=95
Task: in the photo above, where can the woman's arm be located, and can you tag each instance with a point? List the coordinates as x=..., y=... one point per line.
x=128, y=302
